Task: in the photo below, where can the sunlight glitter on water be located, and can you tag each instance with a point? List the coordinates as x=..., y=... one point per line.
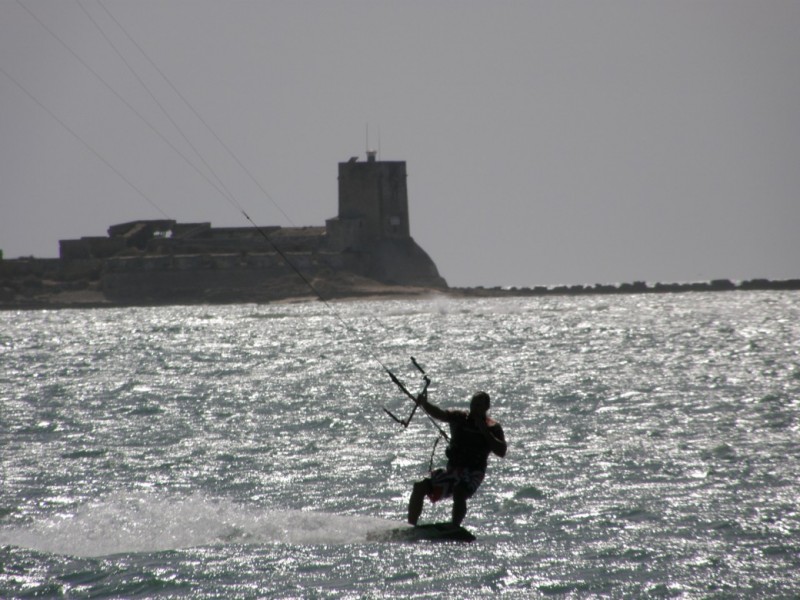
x=653, y=447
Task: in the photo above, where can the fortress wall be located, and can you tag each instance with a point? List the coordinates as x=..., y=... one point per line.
x=344, y=234
x=200, y=275
x=403, y=262
x=51, y=268
x=285, y=240
x=192, y=262
x=90, y=247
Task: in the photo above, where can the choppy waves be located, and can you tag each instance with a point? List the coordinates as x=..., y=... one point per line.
x=242, y=450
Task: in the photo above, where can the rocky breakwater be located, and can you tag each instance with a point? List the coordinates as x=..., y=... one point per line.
x=638, y=287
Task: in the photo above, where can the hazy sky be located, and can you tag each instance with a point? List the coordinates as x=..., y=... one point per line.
x=546, y=141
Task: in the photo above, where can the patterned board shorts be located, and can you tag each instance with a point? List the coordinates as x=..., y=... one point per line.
x=444, y=481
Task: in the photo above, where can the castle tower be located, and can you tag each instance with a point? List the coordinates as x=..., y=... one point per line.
x=374, y=193
x=371, y=231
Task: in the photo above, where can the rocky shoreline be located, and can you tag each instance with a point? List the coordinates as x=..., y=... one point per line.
x=638, y=287
x=37, y=293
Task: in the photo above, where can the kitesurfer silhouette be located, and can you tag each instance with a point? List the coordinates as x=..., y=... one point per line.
x=474, y=435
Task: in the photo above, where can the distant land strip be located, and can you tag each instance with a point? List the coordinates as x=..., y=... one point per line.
x=638, y=287
x=30, y=291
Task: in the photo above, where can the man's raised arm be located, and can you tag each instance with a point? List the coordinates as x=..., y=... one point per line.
x=432, y=409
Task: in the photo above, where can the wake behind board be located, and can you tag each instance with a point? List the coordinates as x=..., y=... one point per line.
x=433, y=532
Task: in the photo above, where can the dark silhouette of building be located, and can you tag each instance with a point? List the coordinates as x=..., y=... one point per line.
x=369, y=238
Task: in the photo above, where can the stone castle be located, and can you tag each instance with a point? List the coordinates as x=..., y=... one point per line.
x=366, y=250
x=369, y=241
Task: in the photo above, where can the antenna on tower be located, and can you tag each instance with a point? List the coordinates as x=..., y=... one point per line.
x=371, y=153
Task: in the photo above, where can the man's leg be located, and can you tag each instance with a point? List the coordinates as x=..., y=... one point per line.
x=460, y=495
x=418, y=493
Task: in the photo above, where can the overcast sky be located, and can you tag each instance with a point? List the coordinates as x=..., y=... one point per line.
x=546, y=142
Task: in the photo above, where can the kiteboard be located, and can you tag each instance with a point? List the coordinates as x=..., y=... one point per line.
x=432, y=532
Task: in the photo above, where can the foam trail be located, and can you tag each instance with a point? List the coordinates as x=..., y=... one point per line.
x=123, y=523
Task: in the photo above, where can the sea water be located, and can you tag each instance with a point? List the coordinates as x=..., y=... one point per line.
x=242, y=451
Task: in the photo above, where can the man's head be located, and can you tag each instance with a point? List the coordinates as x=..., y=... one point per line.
x=480, y=403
